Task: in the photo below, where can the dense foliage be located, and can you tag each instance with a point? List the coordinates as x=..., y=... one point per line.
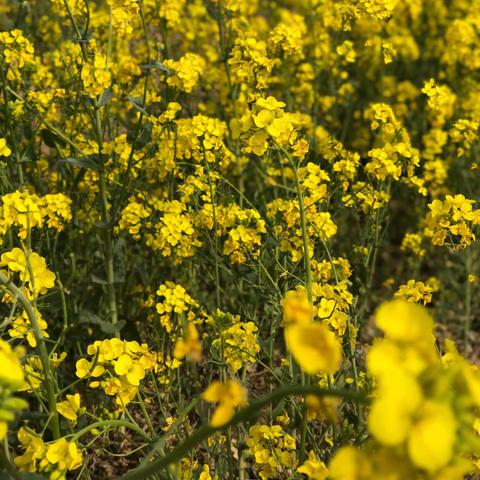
x=226, y=228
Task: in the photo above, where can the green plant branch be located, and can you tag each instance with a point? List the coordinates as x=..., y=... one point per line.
x=42, y=349
x=111, y=423
x=250, y=412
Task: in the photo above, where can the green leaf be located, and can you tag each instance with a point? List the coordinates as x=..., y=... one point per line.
x=105, y=98
x=51, y=139
x=144, y=136
x=156, y=65
x=92, y=162
x=86, y=316
x=138, y=104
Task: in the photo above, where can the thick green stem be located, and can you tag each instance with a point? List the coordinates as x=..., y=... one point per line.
x=49, y=381
x=250, y=412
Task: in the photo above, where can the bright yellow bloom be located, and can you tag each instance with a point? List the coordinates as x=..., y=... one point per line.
x=205, y=475
x=32, y=269
x=69, y=408
x=84, y=367
x=127, y=366
x=391, y=415
x=273, y=450
x=186, y=71
x=296, y=307
x=433, y=436
x=404, y=321
x=190, y=346
x=314, y=347
x=11, y=373
x=4, y=150
x=313, y=468
x=228, y=396
x=64, y=454
x=11, y=379
x=349, y=464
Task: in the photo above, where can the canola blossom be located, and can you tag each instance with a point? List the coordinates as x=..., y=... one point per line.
x=239, y=239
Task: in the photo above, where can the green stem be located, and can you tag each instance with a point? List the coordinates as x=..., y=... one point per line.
x=111, y=423
x=468, y=302
x=251, y=411
x=145, y=413
x=108, y=242
x=42, y=349
x=303, y=222
x=308, y=282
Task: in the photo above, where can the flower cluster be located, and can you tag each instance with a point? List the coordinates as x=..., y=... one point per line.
x=285, y=214
x=273, y=450
x=26, y=211
x=417, y=292
x=312, y=344
x=31, y=268
x=52, y=458
x=450, y=222
x=185, y=72
x=423, y=411
x=238, y=343
x=173, y=301
x=204, y=197
x=118, y=367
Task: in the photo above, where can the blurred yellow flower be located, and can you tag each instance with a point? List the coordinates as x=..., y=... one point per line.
x=228, y=396
x=314, y=347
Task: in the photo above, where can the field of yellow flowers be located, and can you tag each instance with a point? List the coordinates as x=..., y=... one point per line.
x=238, y=239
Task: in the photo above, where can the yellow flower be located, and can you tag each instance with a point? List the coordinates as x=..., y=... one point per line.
x=65, y=454
x=391, y=415
x=70, y=407
x=205, y=475
x=272, y=448
x=313, y=468
x=11, y=373
x=239, y=344
x=186, y=71
x=432, y=438
x=11, y=379
x=132, y=370
x=314, y=347
x=4, y=150
x=404, y=321
x=95, y=76
x=34, y=447
x=296, y=307
x=350, y=464
x=83, y=367
x=190, y=346
x=32, y=269
x=263, y=118
x=228, y=395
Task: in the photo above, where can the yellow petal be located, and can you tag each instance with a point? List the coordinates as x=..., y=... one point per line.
x=314, y=347
x=432, y=438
